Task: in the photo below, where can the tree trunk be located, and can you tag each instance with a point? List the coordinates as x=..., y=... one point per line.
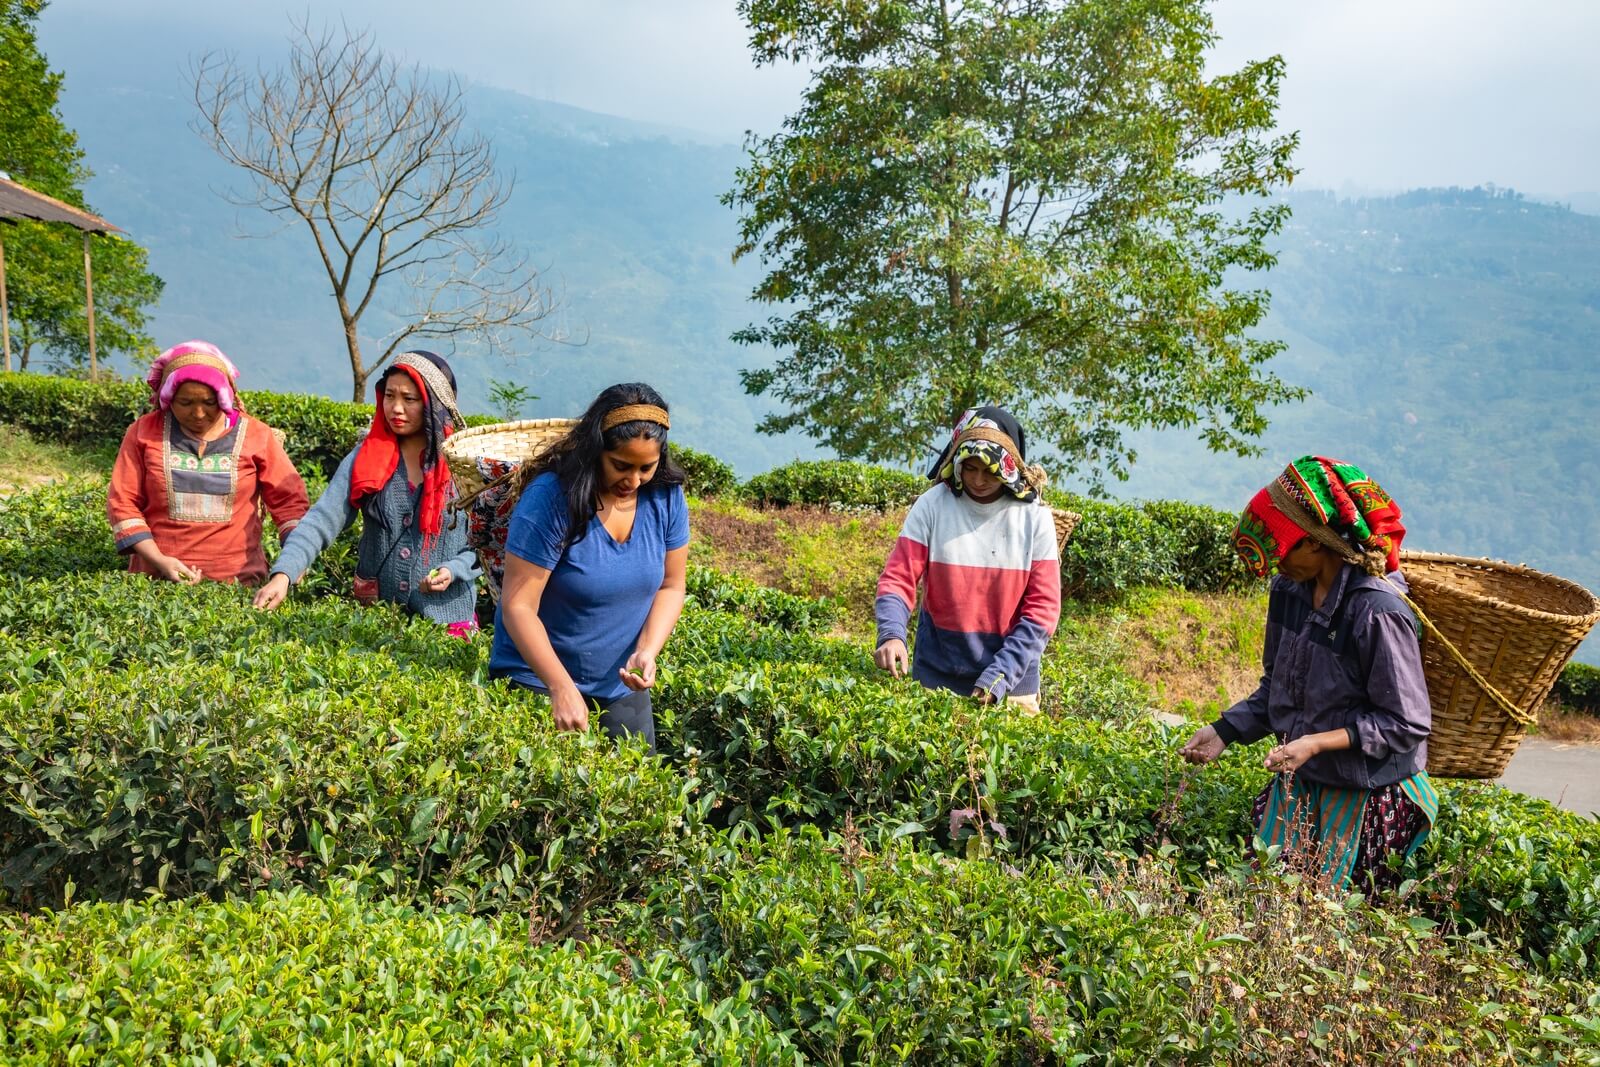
x=352, y=344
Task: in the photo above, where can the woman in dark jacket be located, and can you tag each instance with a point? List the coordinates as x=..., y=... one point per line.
x=411, y=553
x=1343, y=691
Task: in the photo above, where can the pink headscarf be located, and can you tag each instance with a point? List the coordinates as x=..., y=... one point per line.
x=194, y=361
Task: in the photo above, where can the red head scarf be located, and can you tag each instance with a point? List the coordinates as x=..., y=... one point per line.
x=379, y=455
x=1334, y=502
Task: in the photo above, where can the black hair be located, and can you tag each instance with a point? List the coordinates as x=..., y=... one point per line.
x=575, y=458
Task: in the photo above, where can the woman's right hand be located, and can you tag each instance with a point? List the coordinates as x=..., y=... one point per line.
x=891, y=656
x=570, y=709
x=1205, y=746
x=271, y=594
x=174, y=569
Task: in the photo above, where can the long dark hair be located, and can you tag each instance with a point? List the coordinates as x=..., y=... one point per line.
x=575, y=458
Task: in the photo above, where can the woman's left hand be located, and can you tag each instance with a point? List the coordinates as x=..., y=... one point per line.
x=983, y=696
x=438, y=580
x=640, y=672
x=1286, y=759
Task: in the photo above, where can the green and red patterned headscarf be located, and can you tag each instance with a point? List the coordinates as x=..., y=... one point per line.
x=1332, y=502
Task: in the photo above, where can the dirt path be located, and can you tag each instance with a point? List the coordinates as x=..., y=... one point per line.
x=1565, y=774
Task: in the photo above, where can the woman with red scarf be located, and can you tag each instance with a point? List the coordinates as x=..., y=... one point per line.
x=411, y=552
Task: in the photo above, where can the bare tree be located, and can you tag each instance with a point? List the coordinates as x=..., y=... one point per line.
x=376, y=159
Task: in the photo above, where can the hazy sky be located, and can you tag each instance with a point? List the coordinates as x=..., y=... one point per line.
x=1387, y=94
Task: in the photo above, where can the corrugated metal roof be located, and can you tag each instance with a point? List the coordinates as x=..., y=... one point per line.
x=20, y=202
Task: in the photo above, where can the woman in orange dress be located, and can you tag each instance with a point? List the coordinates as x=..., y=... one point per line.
x=193, y=476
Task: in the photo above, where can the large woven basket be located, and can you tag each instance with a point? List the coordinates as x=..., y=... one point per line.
x=508, y=442
x=1066, y=522
x=1517, y=627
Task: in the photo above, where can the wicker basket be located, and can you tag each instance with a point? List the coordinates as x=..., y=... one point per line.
x=1517, y=627
x=511, y=442
x=1066, y=522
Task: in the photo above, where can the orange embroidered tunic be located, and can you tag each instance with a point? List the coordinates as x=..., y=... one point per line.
x=202, y=501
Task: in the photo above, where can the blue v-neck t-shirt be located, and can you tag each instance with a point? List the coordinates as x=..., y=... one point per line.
x=600, y=590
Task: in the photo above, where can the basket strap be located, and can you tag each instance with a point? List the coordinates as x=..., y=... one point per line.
x=462, y=503
x=1500, y=699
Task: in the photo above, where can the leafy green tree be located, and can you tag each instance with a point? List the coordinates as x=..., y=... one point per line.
x=1024, y=202
x=44, y=262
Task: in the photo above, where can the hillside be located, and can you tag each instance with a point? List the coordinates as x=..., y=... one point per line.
x=1447, y=337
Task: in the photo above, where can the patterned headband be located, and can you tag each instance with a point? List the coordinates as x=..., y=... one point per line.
x=635, y=413
x=993, y=436
x=1319, y=532
x=197, y=359
x=438, y=385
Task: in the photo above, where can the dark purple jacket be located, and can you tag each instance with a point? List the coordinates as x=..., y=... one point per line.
x=1354, y=664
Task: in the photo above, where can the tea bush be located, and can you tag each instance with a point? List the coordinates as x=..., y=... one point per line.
x=1579, y=687
x=835, y=482
x=901, y=955
x=197, y=778
x=713, y=590
x=1115, y=549
x=57, y=529
x=61, y=529
x=705, y=475
x=791, y=742
x=337, y=979
x=982, y=894
x=319, y=431
x=1118, y=548
x=1519, y=868
x=906, y=956
x=1202, y=543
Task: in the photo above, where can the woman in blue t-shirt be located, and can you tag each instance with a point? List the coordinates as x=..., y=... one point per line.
x=595, y=560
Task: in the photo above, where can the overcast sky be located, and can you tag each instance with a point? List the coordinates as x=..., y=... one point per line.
x=1387, y=94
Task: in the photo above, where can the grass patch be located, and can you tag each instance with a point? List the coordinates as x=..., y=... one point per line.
x=1195, y=653
x=26, y=462
x=804, y=550
x=1568, y=725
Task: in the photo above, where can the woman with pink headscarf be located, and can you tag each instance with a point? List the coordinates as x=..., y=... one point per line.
x=193, y=476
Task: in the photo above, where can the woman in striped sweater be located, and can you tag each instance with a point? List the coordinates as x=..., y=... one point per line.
x=982, y=546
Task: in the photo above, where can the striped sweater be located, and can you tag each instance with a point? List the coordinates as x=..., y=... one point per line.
x=991, y=591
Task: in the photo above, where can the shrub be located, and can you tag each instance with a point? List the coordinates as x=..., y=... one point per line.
x=706, y=475
x=57, y=529
x=1579, y=686
x=714, y=591
x=1520, y=868
x=319, y=431
x=902, y=955
x=260, y=756
x=835, y=482
x=898, y=957
x=292, y=978
x=791, y=742
x=1114, y=550
x=1202, y=545
x=1117, y=548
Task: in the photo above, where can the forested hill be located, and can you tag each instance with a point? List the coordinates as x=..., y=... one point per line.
x=1449, y=337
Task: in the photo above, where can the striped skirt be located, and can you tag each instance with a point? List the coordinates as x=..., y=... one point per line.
x=1345, y=834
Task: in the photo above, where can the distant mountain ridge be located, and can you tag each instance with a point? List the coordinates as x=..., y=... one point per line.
x=1449, y=336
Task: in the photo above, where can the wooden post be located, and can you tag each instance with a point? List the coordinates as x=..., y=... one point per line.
x=5, y=309
x=88, y=291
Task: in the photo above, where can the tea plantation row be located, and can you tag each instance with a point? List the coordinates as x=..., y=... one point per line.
x=318, y=836
x=172, y=741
